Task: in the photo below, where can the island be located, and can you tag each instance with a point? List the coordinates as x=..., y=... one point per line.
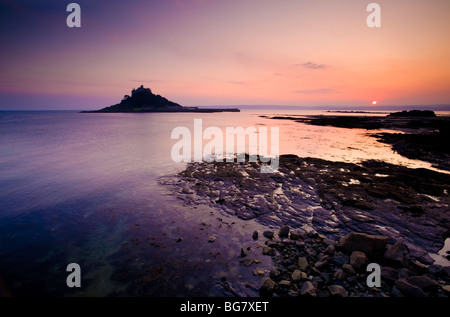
x=143, y=100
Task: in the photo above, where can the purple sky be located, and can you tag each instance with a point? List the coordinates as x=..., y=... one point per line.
x=224, y=52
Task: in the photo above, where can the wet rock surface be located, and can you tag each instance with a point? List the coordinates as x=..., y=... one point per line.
x=326, y=221
x=333, y=198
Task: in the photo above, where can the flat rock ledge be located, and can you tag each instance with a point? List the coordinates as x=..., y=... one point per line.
x=333, y=198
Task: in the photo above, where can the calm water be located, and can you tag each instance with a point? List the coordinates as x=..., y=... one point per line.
x=84, y=188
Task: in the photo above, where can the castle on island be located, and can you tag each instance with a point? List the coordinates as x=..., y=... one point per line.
x=142, y=99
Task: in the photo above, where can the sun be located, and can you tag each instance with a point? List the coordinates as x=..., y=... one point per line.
x=374, y=102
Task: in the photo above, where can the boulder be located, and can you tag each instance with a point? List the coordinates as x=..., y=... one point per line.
x=371, y=245
x=275, y=274
x=303, y=263
x=389, y=274
x=422, y=281
x=330, y=250
x=255, y=235
x=358, y=260
x=284, y=283
x=340, y=258
x=268, y=234
x=348, y=269
x=408, y=289
x=298, y=276
x=397, y=254
x=295, y=235
x=446, y=289
x=308, y=289
x=320, y=265
x=283, y=232
x=337, y=291
x=266, y=250
x=267, y=287
x=246, y=262
x=340, y=275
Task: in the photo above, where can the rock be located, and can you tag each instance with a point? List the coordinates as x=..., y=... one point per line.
x=348, y=269
x=404, y=272
x=284, y=231
x=212, y=239
x=179, y=239
x=268, y=234
x=340, y=258
x=303, y=263
x=397, y=254
x=285, y=283
x=258, y=273
x=446, y=272
x=247, y=262
x=330, y=250
x=295, y=235
x=255, y=235
x=300, y=245
x=389, y=274
x=292, y=293
x=422, y=281
x=186, y=190
x=274, y=273
x=325, y=276
x=308, y=289
x=446, y=289
x=337, y=291
x=298, y=276
x=340, y=275
x=329, y=242
x=371, y=245
x=396, y=293
x=408, y=289
x=267, y=287
x=358, y=260
x=436, y=270
x=352, y=280
x=244, y=252
x=320, y=265
x=267, y=251
x=418, y=266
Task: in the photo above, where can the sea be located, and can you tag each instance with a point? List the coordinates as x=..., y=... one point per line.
x=84, y=188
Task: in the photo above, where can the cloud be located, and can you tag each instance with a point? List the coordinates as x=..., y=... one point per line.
x=320, y=91
x=312, y=65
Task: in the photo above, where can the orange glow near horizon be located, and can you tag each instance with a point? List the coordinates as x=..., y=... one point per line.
x=298, y=53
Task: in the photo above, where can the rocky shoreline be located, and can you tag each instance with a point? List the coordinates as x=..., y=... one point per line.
x=423, y=135
x=322, y=201
x=309, y=264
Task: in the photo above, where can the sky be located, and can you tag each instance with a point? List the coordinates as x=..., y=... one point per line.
x=303, y=53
